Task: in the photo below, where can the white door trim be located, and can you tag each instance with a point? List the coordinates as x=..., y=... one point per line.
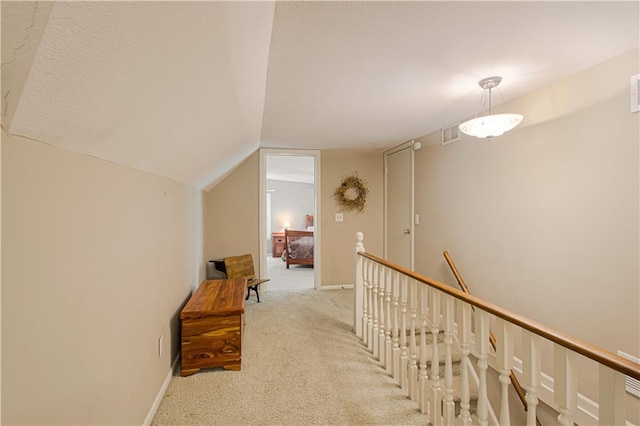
x=403, y=146
x=316, y=213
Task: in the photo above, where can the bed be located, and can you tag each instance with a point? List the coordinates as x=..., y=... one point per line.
x=298, y=245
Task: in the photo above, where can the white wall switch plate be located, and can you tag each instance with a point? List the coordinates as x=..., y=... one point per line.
x=160, y=344
x=417, y=219
x=339, y=217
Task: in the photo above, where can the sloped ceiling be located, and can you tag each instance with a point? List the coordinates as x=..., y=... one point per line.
x=187, y=90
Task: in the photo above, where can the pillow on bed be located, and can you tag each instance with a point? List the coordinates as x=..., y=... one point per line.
x=309, y=228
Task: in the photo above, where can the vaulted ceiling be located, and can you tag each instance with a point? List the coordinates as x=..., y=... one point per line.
x=187, y=90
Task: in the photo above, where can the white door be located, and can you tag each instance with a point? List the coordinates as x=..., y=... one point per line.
x=399, y=205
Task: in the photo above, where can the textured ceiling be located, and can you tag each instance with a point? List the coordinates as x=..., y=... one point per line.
x=187, y=90
x=290, y=168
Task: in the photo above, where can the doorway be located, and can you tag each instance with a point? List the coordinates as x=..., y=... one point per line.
x=399, y=205
x=289, y=196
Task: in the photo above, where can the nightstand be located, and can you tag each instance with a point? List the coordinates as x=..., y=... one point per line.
x=277, y=243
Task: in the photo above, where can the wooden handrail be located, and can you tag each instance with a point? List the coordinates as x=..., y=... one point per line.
x=514, y=380
x=596, y=353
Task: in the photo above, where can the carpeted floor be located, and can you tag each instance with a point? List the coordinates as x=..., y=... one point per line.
x=296, y=278
x=301, y=365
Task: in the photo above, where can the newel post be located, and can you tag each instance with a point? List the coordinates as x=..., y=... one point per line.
x=358, y=285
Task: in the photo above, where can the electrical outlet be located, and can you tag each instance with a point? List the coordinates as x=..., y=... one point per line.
x=339, y=217
x=160, y=344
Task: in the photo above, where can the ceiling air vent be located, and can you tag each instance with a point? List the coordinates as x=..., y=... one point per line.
x=450, y=134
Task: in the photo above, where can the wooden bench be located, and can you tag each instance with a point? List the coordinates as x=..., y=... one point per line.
x=241, y=267
x=212, y=326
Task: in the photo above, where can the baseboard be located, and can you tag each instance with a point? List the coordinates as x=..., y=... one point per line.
x=335, y=287
x=161, y=392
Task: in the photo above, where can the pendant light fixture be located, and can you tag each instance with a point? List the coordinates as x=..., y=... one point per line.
x=491, y=125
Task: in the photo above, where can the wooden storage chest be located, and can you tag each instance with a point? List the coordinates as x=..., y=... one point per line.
x=212, y=326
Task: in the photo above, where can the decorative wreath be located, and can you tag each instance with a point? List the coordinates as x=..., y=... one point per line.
x=352, y=193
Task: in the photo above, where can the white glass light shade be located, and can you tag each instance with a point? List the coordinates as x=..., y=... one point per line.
x=286, y=224
x=489, y=126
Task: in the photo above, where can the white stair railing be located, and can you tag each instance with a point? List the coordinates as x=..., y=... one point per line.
x=464, y=332
x=395, y=341
x=448, y=406
x=413, y=348
x=531, y=362
x=482, y=345
x=404, y=355
x=423, y=377
x=395, y=309
x=388, y=286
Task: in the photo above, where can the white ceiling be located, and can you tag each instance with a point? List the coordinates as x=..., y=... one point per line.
x=187, y=90
x=290, y=168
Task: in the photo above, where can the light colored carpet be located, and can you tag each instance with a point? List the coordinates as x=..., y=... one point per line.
x=296, y=278
x=301, y=365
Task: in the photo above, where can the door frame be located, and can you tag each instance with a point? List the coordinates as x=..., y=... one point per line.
x=406, y=145
x=316, y=208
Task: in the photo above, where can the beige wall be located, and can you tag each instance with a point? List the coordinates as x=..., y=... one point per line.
x=232, y=213
x=544, y=220
x=339, y=238
x=97, y=262
x=98, y=259
x=550, y=208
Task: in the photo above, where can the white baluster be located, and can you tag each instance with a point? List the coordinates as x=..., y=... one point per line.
x=504, y=360
x=531, y=372
x=381, y=315
x=376, y=312
x=565, y=383
x=449, y=405
x=482, y=345
x=465, y=340
x=423, y=383
x=365, y=300
x=404, y=360
x=436, y=392
x=395, y=343
x=611, y=409
x=388, y=320
x=370, y=266
x=359, y=285
x=413, y=360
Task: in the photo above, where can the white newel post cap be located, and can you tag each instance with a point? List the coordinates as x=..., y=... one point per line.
x=359, y=244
